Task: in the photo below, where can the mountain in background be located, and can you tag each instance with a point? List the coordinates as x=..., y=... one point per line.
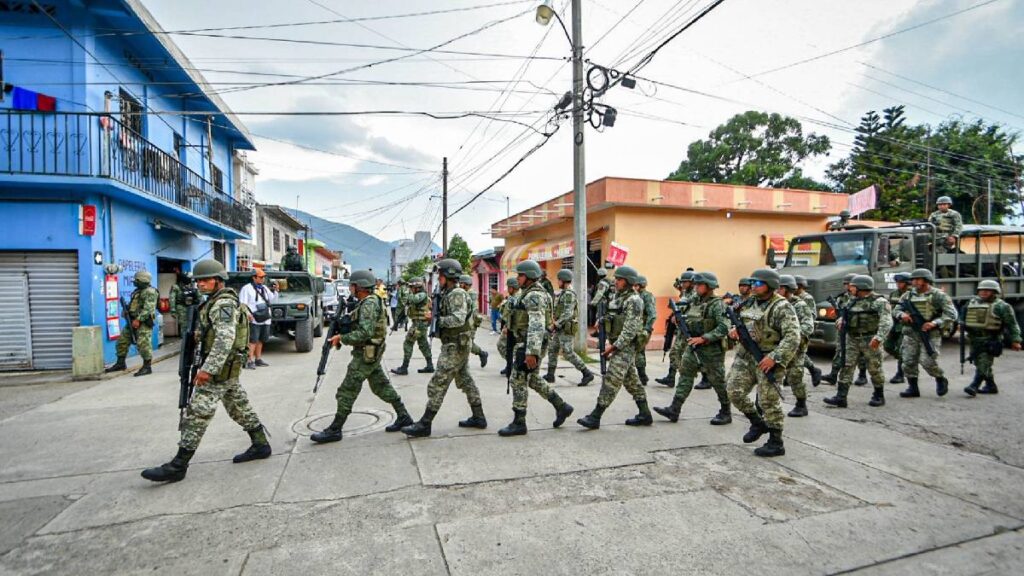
x=361, y=249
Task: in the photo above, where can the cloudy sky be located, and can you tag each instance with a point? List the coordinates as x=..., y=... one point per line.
x=381, y=172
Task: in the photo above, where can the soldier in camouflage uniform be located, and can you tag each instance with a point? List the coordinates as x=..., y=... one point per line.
x=142, y=311
x=812, y=305
x=604, y=289
x=366, y=336
x=842, y=301
x=795, y=370
x=563, y=331
x=176, y=299
x=650, y=315
x=624, y=326
x=870, y=321
x=466, y=283
x=684, y=284
x=417, y=309
x=949, y=224
x=894, y=340
x=401, y=317
x=773, y=324
x=704, y=352
x=455, y=328
x=546, y=284
x=938, y=311
x=528, y=325
x=506, y=309
x=989, y=319
x=223, y=338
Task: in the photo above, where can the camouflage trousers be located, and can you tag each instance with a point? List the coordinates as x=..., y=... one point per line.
x=474, y=349
x=523, y=380
x=562, y=343
x=709, y=360
x=452, y=364
x=417, y=334
x=837, y=365
x=743, y=376
x=144, y=345
x=893, y=342
x=641, y=351
x=204, y=404
x=981, y=351
x=795, y=373
x=621, y=372
x=858, y=351
x=180, y=317
x=359, y=370
x=913, y=354
x=502, y=342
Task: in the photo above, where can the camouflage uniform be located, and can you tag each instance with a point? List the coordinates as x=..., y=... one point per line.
x=948, y=223
x=675, y=354
x=455, y=328
x=402, y=317
x=528, y=326
x=506, y=312
x=417, y=305
x=649, y=316
x=223, y=356
x=141, y=307
x=795, y=369
x=602, y=292
x=705, y=317
x=369, y=328
x=987, y=324
x=176, y=299
x=812, y=305
x=894, y=339
x=870, y=318
x=936, y=307
x=475, y=319
x=624, y=326
x=565, y=316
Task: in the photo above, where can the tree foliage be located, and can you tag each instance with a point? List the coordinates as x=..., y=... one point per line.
x=416, y=268
x=459, y=250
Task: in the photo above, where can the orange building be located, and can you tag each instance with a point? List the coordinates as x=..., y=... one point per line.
x=667, y=227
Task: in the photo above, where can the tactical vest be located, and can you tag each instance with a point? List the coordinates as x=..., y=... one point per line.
x=239, y=347
x=417, y=312
x=569, y=327
x=757, y=318
x=982, y=316
x=923, y=303
x=863, y=318
x=380, y=329
x=451, y=334
x=944, y=222
x=135, y=305
x=615, y=315
x=520, y=322
x=697, y=320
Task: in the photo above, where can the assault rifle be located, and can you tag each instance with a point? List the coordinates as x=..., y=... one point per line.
x=127, y=315
x=844, y=315
x=602, y=336
x=749, y=344
x=435, y=311
x=341, y=324
x=670, y=336
x=189, y=361
x=510, y=346
x=684, y=330
x=916, y=322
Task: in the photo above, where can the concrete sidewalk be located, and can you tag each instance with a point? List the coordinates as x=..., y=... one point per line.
x=929, y=486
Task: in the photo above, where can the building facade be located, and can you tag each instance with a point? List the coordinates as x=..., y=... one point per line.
x=95, y=184
x=245, y=172
x=487, y=274
x=408, y=251
x=276, y=230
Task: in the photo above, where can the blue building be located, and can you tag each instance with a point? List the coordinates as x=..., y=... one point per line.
x=115, y=156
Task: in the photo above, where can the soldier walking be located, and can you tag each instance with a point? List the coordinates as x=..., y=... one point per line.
x=684, y=284
x=417, y=309
x=773, y=324
x=142, y=316
x=177, y=299
x=223, y=338
x=528, y=326
x=704, y=351
x=938, y=311
x=402, y=295
x=870, y=322
x=788, y=287
x=563, y=330
x=506, y=307
x=650, y=315
x=842, y=301
x=623, y=325
x=894, y=340
x=466, y=283
x=812, y=305
x=455, y=328
x=989, y=319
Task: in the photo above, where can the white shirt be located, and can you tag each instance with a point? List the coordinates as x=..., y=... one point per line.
x=247, y=296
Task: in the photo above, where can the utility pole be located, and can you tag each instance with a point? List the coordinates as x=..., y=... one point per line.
x=988, y=219
x=444, y=206
x=579, y=181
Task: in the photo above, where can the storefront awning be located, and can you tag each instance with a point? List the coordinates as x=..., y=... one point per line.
x=551, y=250
x=515, y=255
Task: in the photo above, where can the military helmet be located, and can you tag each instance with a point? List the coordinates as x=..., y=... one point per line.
x=944, y=200
x=416, y=282
x=512, y=282
x=787, y=281
x=848, y=278
x=901, y=277
x=641, y=280
x=363, y=278
x=989, y=285
x=449, y=268
x=801, y=281
x=706, y=278
x=565, y=275
x=844, y=214
x=143, y=277
x=209, y=269
x=465, y=279
x=923, y=273
x=768, y=276
x=530, y=269
x=686, y=276
x=863, y=282
x=745, y=281
x=627, y=273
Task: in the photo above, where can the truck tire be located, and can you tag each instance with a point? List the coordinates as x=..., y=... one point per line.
x=304, y=335
x=318, y=326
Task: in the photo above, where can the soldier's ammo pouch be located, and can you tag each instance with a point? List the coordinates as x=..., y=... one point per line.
x=766, y=335
x=863, y=320
x=371, y=352
x=239, y=347
x=520, y=361
x=614, y=320
x=923, y=303
x=981, y=316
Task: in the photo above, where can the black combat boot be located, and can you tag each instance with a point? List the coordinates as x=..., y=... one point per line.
x=562, y=409
x=421, y=428
x=800, y=410
x=588, y=377
x=773, y=447
x=815, y=375
x=172, y=471
x=877, y=398
x=332, y=433
x=862, y=378
x=642, y=374
x=401, y=370
x=147, y=368
x=941, y=386
x=911, y=391
x=990, y=386
x=259, y=449
x=429, y=368
x=671, y=411
x=669, y=379
x=972, y=388
x=703, y=384
x=592, y=420
x=402, y=418
x=897, y=378
x=757, y=428
x=550, y=376
x=838, y=401
x=477, y=420
x=831, y=377
x=483, y=358
x=723, y=417
x=504, y=371
x=518, y=425
x=643, y=417
x=118, y=366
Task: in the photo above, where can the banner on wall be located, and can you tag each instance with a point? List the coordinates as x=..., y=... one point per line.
x=617, y=254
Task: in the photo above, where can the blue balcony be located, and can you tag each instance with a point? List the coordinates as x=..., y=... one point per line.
x=93, y=145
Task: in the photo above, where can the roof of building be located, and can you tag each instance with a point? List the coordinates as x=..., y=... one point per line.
x=281, y=214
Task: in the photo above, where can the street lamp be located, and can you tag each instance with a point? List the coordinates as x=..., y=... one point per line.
x=545, y=12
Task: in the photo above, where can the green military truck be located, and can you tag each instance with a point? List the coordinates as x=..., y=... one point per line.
x=984, y=253
x=298, y=310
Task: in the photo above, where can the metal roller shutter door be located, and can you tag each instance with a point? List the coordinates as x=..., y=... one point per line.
x=53, y=302
x=15, y=343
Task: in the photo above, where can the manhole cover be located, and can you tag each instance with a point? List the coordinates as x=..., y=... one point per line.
x=362, y=421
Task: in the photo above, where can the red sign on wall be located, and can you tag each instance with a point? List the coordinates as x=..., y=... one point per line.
x=87, y=220
x=617, y=254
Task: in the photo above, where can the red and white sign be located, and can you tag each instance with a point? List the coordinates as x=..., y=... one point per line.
x=617, y=254
x=87, y=220
x=861, y=202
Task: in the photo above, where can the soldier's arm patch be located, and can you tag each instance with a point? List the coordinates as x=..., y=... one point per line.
x=226, y=313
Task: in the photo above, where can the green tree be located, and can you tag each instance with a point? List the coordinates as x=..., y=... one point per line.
x=416, y=268
x=754, y=149
x=459, y=250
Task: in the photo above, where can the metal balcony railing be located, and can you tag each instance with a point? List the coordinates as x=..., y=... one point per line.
x=97, y=145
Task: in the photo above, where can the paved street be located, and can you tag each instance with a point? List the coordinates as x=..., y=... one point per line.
x=930, y=486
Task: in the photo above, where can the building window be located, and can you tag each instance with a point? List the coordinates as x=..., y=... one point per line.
x=131, y=112
x=287, y=240
x=219, y=253
x=277, y=240
x=217, y=178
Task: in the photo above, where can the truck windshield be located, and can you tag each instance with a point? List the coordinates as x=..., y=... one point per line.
x=839, y=250
x=297, y=284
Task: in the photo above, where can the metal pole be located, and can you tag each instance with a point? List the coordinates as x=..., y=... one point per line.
x=988, y=220
x=444, y=207
x=579, y=188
